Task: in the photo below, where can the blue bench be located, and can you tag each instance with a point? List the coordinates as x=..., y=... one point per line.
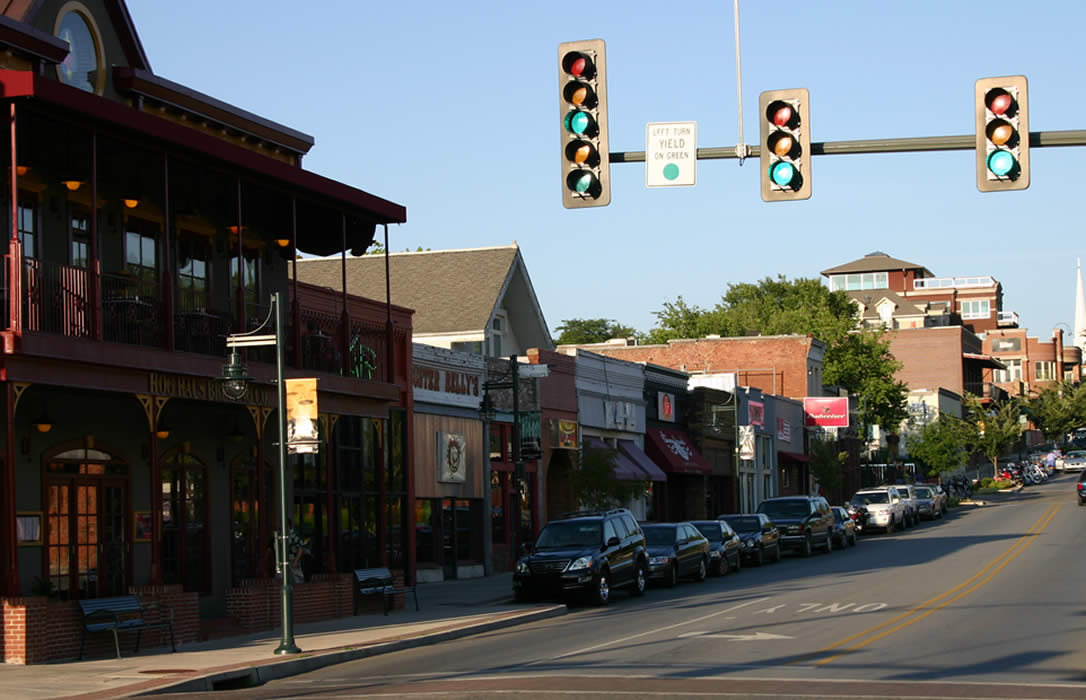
x=379, y=581
x=119, y=614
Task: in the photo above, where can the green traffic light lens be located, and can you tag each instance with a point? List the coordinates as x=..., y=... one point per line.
x=782, y=173
x=578, y=122
x=581, y=181
x=1001, y=162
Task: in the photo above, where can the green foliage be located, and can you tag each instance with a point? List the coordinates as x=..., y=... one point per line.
x=595, y=485
x=862, y=363
x=1058, y=409
x=826, y=462
x=378, y=249
x=992, y=429
x=941, y=444
x=582, y=331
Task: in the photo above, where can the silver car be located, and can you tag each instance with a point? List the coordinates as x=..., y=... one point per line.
x=1074, y=461
x=928, y=506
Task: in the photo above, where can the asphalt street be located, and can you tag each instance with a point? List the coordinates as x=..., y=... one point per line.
x=984, y=603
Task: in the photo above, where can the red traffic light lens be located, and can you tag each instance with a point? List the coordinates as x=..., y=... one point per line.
x=999, y=101
x=781, y=114
x=578, y=65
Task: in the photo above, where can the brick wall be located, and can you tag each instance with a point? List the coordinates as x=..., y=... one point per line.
x=932, y=357
x=37, y=630
x=255, y=604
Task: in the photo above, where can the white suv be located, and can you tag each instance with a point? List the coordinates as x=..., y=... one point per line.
x=885, y=507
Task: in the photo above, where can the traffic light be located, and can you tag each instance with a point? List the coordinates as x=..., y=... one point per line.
x=1002, y=107
x=582, y=104
x=786, y=144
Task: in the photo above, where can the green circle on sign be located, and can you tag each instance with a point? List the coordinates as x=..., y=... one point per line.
x=671, y=171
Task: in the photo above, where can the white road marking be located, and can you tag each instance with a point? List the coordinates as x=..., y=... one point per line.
x=756, y=637
x=662, y=629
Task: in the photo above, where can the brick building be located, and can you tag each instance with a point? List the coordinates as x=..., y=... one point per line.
x=784, y=365
x=1031, y=363
x=949, y=357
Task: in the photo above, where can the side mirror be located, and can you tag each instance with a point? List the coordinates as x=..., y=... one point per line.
x=614, y=542
x=526, y=548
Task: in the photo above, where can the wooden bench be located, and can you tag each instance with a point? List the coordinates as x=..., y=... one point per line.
x=379, y=581
x=118, y=614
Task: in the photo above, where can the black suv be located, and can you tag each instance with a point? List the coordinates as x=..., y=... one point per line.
x=802, y=520
x=585, y=552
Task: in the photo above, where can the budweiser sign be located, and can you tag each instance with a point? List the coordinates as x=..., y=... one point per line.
x=826, y=413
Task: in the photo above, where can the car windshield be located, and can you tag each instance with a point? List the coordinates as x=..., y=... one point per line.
x=1076, y=454
x=711, y=531
x=570, y=534
x=866, y=499
x=923, y=493
x=744, y=523
x=659, y=535
x=785, y=509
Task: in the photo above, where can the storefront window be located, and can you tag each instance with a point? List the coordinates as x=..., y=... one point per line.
x=424, y=531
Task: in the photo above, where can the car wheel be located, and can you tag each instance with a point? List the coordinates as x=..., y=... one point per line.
x=759, y=557
x=829, y=542
x=738, y=561
x=806, y=551
x=641, y=580
x=601, y=594
x=673, y=576
x=777, y=552
x=852, y=540
x=723, y=567
x=703, y=571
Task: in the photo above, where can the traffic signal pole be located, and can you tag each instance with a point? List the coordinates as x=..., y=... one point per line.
x=967, y=142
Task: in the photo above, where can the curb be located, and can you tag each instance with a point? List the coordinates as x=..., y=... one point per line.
x=249, y=675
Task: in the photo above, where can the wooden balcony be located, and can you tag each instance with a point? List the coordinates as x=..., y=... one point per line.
x=321, y=335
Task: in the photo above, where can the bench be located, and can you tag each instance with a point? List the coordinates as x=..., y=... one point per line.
x=118, y=614
x=379, y=581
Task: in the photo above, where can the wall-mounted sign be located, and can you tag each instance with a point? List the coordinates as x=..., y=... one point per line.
x=784, y=430
x=451, y=457
x=302, y=420
x=826, y=412
x=619, y=415
x=1006, y=345
x=746, y=442
x=564, y=434
x=665, y=406
x=756, y=412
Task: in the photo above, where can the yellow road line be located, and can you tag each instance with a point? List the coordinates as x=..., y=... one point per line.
x=1051, y=511
x=1020, y=545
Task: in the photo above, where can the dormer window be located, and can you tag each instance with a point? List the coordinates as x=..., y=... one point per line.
x=83, y=67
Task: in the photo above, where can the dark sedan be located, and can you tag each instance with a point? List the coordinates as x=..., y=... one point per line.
x=760, y=540
x=844, y=528
x=724, y=546
x=675, y=550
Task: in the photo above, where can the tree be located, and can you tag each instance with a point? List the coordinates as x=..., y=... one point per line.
x=826, y=462
x=1058, y=409
x=993, y=429
x=861, y=362
x=582, y=331
x=941, y=445
x=595, y=485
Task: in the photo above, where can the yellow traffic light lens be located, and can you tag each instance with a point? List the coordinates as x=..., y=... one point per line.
x=580, y=94
x=1000, y=132
x=582, y=153
x=782, y=145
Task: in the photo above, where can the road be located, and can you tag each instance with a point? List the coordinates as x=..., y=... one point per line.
x=986, y=603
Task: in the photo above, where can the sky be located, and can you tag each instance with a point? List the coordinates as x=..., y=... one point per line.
x=451, y=109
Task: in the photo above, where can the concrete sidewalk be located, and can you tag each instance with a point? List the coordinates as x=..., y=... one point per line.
x=449, y=610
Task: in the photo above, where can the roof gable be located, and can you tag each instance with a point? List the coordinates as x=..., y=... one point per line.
x=875, y=262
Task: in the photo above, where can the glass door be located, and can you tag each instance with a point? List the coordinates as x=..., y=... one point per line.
x=87, y=543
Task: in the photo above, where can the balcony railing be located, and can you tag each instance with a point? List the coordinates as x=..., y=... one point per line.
x=1007, y=319
x=954, y=282
x=56, y=300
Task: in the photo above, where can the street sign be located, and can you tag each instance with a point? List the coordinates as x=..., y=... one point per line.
x=671, y=154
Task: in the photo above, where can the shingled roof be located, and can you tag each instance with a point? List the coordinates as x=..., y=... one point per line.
x=450, y=290
x=876, y=262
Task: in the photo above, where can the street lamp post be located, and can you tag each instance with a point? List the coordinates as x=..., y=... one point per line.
x=234, y=384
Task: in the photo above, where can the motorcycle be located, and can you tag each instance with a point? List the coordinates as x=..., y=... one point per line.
x=858, y=515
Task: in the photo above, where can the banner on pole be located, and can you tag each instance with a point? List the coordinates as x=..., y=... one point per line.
x=302, y=419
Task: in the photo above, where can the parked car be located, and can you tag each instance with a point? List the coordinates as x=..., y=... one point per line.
x=912, y=504
x=586, y=552
x=884, y=506
x=844, y=528
x=1081, y=488
x=804, y=522
x=926, y=503
x=760, y=538
x=1074, y=460
x=723, y=546
x=676, y=550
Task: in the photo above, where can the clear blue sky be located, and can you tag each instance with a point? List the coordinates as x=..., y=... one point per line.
x=451, y=109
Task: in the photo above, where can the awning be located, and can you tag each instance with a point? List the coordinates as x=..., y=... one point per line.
x=625, y=470
x=635, y=454
x=984, y=360
x=673, y=450
x=795, y=456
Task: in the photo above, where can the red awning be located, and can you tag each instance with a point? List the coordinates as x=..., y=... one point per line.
x=674, y=451
x=794, y=456
x=635, y=454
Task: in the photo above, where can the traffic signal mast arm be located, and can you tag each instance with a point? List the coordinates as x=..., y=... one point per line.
x=1037, y=139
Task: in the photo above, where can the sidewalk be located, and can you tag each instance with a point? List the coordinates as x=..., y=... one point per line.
x=448, y=610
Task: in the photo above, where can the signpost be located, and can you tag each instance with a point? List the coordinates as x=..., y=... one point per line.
x=671, y=154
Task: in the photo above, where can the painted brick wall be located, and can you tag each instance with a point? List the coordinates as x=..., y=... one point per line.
x=255, y=604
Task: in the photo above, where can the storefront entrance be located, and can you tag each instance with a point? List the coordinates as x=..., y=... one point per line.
x=86, y=510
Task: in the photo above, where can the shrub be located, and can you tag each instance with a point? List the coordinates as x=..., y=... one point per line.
x=987, y=482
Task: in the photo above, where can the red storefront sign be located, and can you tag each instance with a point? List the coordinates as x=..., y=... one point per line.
x=826, y=412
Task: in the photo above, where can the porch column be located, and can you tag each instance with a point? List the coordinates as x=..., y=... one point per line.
x=154, y=408
x=241, y=268
x=261, y=488
x=15, y=249
x=295, y=309
x=329, y=424
x=11, y=581
x=345, y=317
x=169, y=273
x=94, y=271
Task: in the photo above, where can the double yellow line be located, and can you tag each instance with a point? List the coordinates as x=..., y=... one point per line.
x=928, y=607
